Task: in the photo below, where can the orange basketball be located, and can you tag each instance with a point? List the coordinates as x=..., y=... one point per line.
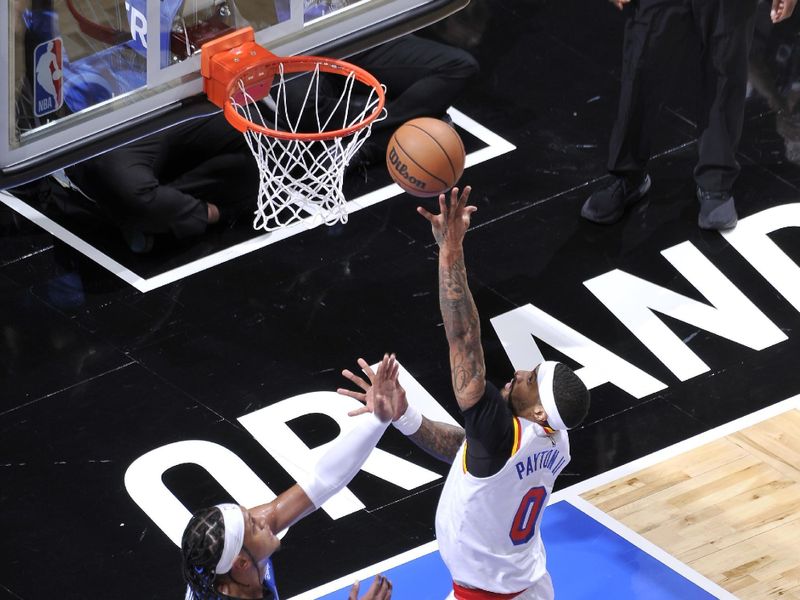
x=425, y=157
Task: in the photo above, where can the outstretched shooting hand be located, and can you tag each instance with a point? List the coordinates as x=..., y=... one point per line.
x=453, y=220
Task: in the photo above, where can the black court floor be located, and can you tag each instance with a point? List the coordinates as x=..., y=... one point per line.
x=213, y=372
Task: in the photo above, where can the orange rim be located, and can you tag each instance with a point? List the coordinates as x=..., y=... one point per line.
x=299, y=64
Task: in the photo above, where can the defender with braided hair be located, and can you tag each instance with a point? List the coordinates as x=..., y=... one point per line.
x=227, y=548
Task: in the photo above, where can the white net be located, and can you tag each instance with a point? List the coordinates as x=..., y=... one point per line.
x=302, y=180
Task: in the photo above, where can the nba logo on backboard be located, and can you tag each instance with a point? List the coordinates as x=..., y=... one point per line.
x=48, y=91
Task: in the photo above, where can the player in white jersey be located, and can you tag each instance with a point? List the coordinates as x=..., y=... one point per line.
x=513, y=445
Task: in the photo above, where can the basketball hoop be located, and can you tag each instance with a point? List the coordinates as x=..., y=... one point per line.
x=302, y=172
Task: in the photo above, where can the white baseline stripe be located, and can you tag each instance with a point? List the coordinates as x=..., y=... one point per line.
x=679, y=448
x=71, y=239
x=646, y=546
x=370, y=571
x=496, y=146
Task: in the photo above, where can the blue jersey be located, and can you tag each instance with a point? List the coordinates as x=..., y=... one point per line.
x=268, y=587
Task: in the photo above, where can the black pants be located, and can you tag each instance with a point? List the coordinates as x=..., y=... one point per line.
x=655, y=34
x=162, y=183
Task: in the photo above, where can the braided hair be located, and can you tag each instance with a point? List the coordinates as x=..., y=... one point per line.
x=202, y=545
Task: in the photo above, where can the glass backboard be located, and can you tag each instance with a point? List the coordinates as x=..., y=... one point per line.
x=86, y=75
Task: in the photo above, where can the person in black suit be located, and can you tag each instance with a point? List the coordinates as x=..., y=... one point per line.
x=655, y=32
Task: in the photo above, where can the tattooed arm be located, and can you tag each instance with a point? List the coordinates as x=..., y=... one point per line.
x=440, y=440
x=459, y=313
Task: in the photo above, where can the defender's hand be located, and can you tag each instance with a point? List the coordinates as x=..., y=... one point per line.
x=381, y=589
x=383, y=395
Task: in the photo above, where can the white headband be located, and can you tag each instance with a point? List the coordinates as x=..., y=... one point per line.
x=544, y=381
x=233, y=519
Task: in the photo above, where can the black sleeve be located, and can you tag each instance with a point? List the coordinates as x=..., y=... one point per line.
x=489, y=427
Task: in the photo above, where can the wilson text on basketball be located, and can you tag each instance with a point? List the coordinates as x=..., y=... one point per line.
x=402, y=170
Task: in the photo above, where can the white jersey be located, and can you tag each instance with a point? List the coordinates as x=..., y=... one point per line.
x=488, y=527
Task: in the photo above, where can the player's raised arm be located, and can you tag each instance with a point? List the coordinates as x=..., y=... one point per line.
x=226, y=548
x=460, y=316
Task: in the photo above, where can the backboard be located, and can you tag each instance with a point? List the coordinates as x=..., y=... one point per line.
x=83, y=76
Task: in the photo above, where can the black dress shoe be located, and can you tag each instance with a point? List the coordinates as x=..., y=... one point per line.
x=607, y=206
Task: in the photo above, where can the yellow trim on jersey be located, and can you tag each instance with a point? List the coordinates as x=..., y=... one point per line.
x=517, y=436
x=514, y=448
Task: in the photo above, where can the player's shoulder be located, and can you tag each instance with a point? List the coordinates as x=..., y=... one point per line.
x=491, y=394
x=491, y=412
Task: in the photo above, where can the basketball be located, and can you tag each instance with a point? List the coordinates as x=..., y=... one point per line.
x=425, y=157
